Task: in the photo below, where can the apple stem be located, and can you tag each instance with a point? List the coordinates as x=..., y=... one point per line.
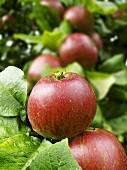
x=59, y=75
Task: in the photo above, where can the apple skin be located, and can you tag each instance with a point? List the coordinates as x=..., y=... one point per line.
x=98, y=149
x=80, y=19
x=55, y=4
x=6, y=19
x=79, y=47
x=119, y=14
x=38, y=65
x=59, y=109
x=97, y=40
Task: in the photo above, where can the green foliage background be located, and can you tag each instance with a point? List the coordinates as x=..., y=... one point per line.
x=33, y=29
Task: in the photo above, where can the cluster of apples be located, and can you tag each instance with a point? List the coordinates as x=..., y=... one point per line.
x=63, y=104
x=82, y=45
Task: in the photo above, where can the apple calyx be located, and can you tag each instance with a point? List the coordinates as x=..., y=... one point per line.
x=59, y=75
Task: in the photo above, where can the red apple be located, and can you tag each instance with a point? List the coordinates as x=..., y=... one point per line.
x=38, y=65
x=61, y=106
x=80, y=19
x=119, y=14
x=98, y=149
x=6, y=19
x=55, y=4
x=97, y=40
x=79, y=47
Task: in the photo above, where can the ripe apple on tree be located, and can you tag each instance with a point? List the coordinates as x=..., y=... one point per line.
x=61, y=105
x=98, y=149
x=38, y=65
x=97, y=40
x=79, y=47
x=6, y=19
x=118, y=14
x=80, y=18
x=55, y=4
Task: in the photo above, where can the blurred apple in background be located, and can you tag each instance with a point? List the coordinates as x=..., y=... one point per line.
x=6, y=19
x=80, y=19
x=39, y=64
x=97, y=40
x=55, y=4
x=119, y=14
x=79, y=47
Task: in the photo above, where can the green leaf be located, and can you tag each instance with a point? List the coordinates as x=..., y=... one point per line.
x=121, y=4
x=101, y=7
x=2, y=1
x=95, y=6
x=26, y=1
x=98, y=119
x=121, y=77
x=76, y=68
x=6, y=124
x=53, y=39
x=48, y=70
x=40, y=149
x=16, y=150
x=73, y=67
x=112, y=109
x=13, y=91
x=115, y=114
x=46, y=17
x=29, y=38
x=69, y=3
x=64, y=27
x=113, y=64
x=56, y=156
x=118, y=93
x=118, y=124
x=118, y=24
x=102, y=28
x=106, y=126
x=101, y=83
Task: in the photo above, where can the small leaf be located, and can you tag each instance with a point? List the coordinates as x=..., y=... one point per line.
x=121, y=77
x=118, y=124
x=53, y=39
x=114, y=64
x=29, y=38
x=48, y=70
x=76, y=68
x=46, y=17
x=101, y=27
x=101, y=82
x=69, y=3
x=113, y=108
x=118, y=93
x=118, y=24
x=98, y=119
x=73, y=67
